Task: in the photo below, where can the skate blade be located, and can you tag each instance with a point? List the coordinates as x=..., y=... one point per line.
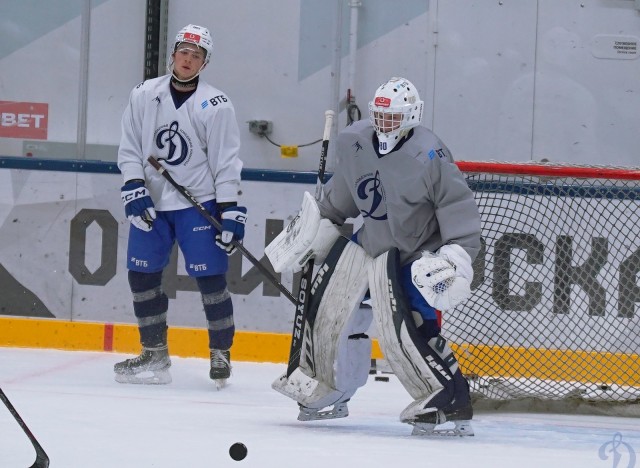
x=220, y=383
x=461, y=429
x=339, y=410
x=159, y=377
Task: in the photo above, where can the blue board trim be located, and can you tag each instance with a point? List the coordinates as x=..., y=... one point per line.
x=103, y=167
x=300, y=177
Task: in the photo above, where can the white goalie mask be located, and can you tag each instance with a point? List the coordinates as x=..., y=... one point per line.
x=396, y=108
x=197, y=35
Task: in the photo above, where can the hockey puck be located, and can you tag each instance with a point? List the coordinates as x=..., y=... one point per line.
x=238, y=451
x=382, y=378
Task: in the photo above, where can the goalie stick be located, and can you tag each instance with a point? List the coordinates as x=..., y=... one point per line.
x=304, y=291
x=42, y=460
x=203, y=211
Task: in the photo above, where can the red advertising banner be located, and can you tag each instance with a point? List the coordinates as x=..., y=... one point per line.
x=24, y=120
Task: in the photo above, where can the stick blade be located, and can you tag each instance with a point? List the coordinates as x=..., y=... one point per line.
x=42, y=461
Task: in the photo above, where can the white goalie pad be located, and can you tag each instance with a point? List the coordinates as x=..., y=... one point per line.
x=307, y=235
x=336, y=353
x=401, y=353
x=443, y=279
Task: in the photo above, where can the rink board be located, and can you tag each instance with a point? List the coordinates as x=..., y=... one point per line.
x=63, y=262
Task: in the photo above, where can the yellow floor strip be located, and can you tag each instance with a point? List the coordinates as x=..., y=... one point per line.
x=550, y=364
x=485, y=361
x=123, y=338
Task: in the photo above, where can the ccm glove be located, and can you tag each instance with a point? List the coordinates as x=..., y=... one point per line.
x=233, y=220
x=138, y=206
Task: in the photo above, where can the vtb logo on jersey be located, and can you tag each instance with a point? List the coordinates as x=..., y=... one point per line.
x=174, y=143
x=381, y=101
x=370, y=189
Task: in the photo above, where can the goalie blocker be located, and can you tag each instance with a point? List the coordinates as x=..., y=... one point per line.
x=337, y=351
x=308, y=235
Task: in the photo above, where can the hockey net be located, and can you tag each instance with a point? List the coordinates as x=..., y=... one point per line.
x=554, y=313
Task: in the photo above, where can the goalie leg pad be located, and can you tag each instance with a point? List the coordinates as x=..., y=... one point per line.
x=395, y=323
x=425, y=365
x=455, y=392
x=336, y=352
x=352, y=369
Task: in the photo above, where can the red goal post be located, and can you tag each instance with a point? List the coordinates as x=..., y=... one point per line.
x=555, y=309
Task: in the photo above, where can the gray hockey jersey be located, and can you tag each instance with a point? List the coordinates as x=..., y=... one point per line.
x=414, y=198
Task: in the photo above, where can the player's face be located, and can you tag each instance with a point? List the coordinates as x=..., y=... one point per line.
x=187, y=61
x=386, y=121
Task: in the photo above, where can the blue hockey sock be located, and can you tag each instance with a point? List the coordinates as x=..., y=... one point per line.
x=218, y=309
x=150, y=305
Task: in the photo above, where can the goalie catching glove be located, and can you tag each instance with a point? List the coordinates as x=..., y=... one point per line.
x=138, y=206
x=444, y=278
x=233, y=220
x=308, y=235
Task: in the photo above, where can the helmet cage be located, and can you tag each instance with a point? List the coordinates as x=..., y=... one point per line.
x=391, y=119
x=395, y=109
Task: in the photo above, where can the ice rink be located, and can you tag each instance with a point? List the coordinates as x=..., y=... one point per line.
x=84, y=419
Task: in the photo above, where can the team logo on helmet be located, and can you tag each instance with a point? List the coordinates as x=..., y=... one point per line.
x=192, y=37
x=382, y=101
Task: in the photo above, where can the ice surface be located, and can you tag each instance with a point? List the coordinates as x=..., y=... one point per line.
x=84, y=419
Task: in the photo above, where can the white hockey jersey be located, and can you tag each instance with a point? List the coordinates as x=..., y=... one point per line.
x=197, y=143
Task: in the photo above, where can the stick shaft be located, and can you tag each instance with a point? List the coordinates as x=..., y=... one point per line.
x=328, y=122
x=203, y=211
x=306, y=278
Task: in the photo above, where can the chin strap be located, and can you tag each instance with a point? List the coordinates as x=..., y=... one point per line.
x=181, y=85
x=184, y=85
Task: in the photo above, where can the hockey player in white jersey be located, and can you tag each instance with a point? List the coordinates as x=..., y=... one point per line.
x=190, y=127
x=414, y=254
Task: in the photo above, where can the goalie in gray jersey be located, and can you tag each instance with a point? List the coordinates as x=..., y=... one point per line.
x=413, y=255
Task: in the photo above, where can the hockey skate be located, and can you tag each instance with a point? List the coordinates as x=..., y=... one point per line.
x=339, y=410
x=453, y=419
x=428, y=424
x=220, y=367
x=151, y=367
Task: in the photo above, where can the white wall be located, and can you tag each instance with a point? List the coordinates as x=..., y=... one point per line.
x=513, y=80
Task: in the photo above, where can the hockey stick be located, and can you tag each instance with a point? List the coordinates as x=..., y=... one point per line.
x=203, y=211
x=42, y=460
x=304, y=291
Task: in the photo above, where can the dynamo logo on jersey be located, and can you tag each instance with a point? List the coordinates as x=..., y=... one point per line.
x=174, y=142
x=370, y=189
